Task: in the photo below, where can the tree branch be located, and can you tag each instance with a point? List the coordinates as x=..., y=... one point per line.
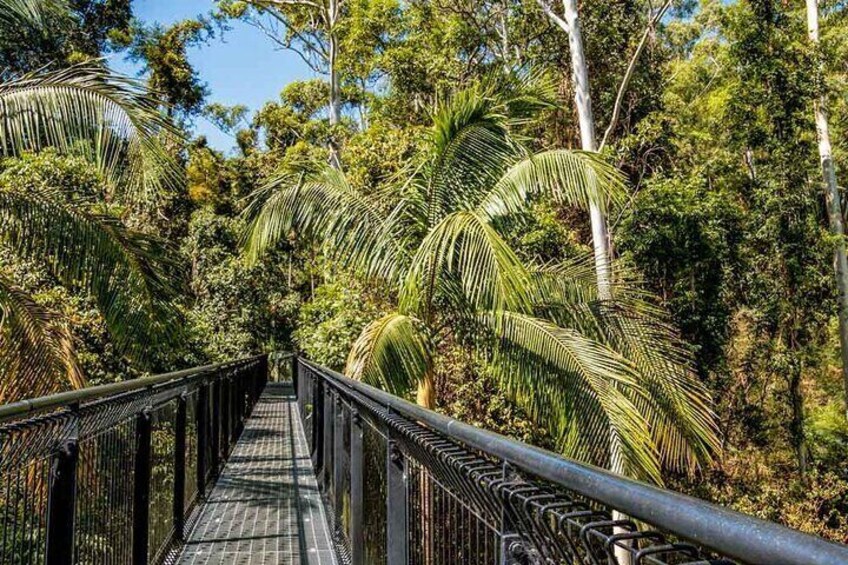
x=549, y=11
x=628, y=75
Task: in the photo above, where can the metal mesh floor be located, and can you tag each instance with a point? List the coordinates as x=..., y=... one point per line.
x=266, y=507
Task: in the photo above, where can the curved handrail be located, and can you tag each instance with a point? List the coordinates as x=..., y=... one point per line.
x=726, y=531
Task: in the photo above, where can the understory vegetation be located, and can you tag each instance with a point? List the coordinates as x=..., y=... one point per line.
x=419, y=216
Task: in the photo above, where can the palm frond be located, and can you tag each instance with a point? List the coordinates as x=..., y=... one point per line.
x=581, y=389
x=36, y=350
x=676, y=405
x=392, y=353
x=133, y=277
x=27, y=12
x=326, y=207
x=467, y=247
x=573, y=177
x=86, y=110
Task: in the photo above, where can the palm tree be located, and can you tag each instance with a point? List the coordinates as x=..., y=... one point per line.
x=114, y=123
x=605, y=375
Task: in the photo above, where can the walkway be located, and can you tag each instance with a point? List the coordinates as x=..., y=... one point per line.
x=265, y=508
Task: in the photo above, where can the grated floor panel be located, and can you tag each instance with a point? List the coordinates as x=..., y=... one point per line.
x=266, y=508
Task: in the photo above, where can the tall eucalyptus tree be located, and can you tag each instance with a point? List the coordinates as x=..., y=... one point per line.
x=833, y=200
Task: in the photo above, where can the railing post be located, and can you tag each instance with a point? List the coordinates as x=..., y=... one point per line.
x=225, y=417
x=338, y=455
x=180, y=468
x=317, y=424
x=397, y=550
x=60, y=504
x=512, y=548
x=357, y=534
x=328, y=428
x=202, y=414
x=216, y=425
x=294, y=375
x=141, y=493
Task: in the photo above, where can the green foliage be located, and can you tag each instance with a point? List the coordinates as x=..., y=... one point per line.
x=164, y=54
x=330, y=322
x=577, y=365
x=59, y=32
x=237, y=310
x=686, y=238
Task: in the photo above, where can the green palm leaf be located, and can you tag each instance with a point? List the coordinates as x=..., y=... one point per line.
x=582, y=390
x=467, y=247
x=86, y=110
x=132, y=276
x=27, y=11
x=392, y=353
x=676, y=405
x=324, y=206
x=573, y=177
x=36, y=350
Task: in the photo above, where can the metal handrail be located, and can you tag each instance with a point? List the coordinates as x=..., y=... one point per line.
x=730, y=533
x=21, y=408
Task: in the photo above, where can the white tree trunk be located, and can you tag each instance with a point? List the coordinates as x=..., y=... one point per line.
x=583, y=101
x=600, y=235
x=834, y=206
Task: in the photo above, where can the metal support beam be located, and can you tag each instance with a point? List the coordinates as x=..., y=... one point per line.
x=318, y=425
x=180, y=468
x=141, y=492
x=338, y=457
x=202, y=414
x=216, y=427
x=397, y=549
x=329, y=428
x=61, y=503
x=357, y=533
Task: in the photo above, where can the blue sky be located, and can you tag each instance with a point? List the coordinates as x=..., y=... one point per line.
x=242, y=67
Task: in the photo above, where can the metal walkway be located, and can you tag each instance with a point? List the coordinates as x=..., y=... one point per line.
x=266, y=507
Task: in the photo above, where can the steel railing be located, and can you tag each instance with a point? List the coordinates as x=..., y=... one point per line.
x=114, y=473
x=407, y=485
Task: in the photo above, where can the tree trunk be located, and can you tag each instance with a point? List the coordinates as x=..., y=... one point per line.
x=600, y=235
x=583, y=101
x=834, y=206
x=426, y=395
x=796, y=426
x=335, y=93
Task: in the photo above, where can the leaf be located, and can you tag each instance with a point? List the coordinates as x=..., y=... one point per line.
x=36, y=350
x=392, y=353
x=85, y=110
x=573, y=177
x=133, y=277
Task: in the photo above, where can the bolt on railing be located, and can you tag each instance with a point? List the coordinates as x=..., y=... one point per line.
x=406, y=485
x=115, y=473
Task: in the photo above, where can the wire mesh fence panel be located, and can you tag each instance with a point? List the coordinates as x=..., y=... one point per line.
x=343, y=479
x=161, y=521
x=443, y=528
x=374, y=493
x=23, y=503
x=104, y=510
x=190, y=494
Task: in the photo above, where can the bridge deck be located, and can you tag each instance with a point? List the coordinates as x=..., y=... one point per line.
x=265, y=508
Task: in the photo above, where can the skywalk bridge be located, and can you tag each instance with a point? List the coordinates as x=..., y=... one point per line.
x=218, y=465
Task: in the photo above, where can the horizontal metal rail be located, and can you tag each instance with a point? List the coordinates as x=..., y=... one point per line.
x=68, y=398
x=551, y=509
x=115, y=473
